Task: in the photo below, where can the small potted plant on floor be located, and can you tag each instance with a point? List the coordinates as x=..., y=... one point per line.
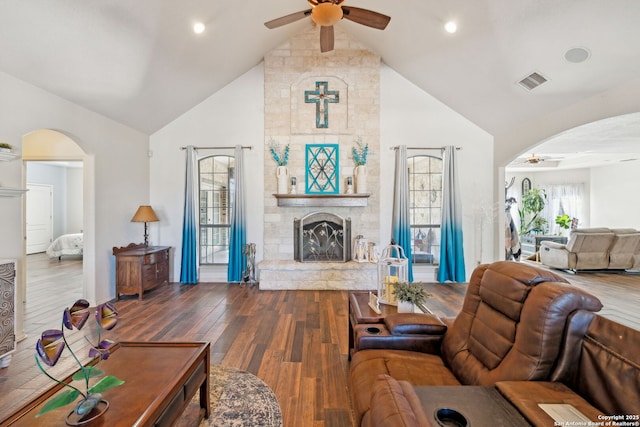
x=408, y=295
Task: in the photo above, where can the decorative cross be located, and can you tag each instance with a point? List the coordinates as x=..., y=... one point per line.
x=322, y=96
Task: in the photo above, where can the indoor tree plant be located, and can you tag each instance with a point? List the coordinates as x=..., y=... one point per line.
x=410, y=294
x=531, y=221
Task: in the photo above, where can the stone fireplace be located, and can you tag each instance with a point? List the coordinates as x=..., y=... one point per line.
x=290, y=71
x=322, y=237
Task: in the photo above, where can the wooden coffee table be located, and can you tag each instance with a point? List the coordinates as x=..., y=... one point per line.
x=160, y=381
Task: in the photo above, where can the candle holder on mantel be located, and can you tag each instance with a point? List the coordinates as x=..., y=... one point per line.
x=294, y=185
x=392, y=269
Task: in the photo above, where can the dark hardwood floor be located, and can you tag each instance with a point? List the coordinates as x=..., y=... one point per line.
x=296, y=341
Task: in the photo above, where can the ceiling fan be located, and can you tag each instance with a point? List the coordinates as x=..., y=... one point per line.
x=534, y=159
x=326, y=13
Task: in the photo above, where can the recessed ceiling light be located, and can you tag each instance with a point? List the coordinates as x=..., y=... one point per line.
x=451, y=27
x=199, y=28
x=577, y=55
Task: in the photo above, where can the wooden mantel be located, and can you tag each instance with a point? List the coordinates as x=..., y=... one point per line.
x=322, y=200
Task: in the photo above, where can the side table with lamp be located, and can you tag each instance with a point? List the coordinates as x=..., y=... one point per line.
x=140, y=267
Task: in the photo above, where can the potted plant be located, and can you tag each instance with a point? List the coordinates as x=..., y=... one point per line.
x=5, y=146
x=564, y=222
x=408, y=295
x=531, y=222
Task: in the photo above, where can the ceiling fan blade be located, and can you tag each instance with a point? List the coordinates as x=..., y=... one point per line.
x=288, y=19
x=326, y=39
x=366, y=17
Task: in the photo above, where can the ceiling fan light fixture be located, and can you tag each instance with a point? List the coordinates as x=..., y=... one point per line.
x=326, y=14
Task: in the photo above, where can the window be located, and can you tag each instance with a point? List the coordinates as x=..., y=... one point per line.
x=425, y=202
x=217, y=187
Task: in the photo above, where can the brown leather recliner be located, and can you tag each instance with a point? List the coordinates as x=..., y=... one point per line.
x=511, y=327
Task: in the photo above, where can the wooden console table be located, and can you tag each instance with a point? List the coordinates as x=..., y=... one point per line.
x=140, y=268
x=160, y=381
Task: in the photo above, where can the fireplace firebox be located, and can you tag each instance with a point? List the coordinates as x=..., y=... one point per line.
x=322, y=237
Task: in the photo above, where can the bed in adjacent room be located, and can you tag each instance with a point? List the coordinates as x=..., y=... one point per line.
x=67, y=244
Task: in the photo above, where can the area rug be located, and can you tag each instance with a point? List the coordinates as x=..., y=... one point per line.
x=238, y=399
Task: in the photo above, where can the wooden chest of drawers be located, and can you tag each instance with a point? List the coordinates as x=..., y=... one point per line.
x=140, y=268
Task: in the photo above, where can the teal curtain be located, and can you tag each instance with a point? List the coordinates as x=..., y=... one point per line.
x=401, y=220
x=238, y=238
x=451, y=268
x=189, y=261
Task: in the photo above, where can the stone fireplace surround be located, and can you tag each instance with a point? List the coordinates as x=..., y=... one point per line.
x=290, y=69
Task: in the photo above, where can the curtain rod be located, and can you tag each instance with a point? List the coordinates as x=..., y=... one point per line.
x=423, y=148
x=244, y=147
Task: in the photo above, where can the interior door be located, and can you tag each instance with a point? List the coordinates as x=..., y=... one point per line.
x=39, y=217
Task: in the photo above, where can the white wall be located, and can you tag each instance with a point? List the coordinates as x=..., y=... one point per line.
x=116, y=177
x=74, y=200
x=55, y=176
x=412, y=117
x=614, y=195
x=67, y=194
x=615, y=101
x=547, y=177
x=234, y=115
x=609, y=192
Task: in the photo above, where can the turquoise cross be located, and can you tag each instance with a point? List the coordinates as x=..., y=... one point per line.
x=322, y=96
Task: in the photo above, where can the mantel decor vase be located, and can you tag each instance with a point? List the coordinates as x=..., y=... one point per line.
x=361, y=179
x=282, y=173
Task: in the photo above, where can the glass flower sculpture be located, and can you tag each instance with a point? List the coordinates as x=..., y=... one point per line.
x=52, y=343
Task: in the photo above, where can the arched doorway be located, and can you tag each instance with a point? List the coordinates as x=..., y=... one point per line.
x=51, y=145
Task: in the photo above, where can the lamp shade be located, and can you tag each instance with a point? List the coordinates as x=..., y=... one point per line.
x=145, y=214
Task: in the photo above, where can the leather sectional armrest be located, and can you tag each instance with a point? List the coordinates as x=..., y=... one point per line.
x=394, y=403
x=414, y=324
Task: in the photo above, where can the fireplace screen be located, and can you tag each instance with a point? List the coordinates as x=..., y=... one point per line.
x=322, y=237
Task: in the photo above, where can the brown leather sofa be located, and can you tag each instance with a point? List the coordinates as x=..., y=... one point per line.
x=516, y=324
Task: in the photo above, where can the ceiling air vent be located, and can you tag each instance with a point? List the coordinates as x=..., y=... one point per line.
x=532, y=81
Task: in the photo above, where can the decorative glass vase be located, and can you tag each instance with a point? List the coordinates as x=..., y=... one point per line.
x=282, y=173
x=361, y=179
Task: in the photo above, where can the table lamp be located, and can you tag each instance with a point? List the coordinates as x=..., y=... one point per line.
x=145, y=214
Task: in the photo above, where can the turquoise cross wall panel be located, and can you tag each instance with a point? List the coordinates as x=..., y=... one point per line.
x=322, y=175
x=322, y=97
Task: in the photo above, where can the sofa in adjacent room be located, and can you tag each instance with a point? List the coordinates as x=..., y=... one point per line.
x=594, y=249
x=519, y=326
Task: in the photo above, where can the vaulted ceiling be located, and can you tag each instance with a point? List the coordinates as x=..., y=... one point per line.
x=140, y=63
